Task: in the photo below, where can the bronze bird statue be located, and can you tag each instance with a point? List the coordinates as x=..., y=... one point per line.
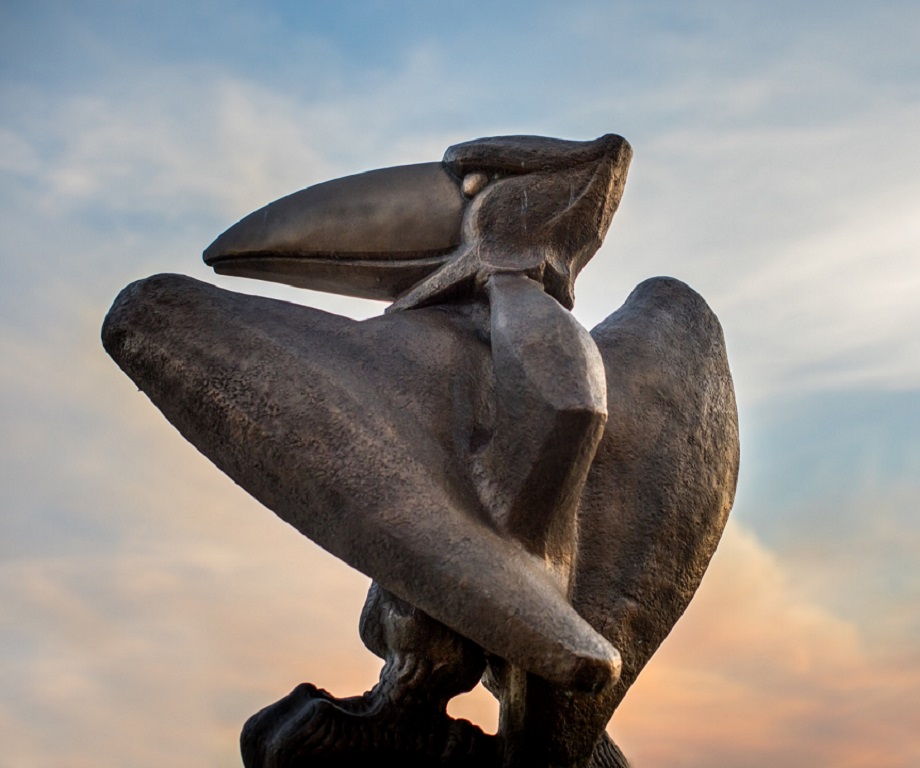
x=536, y=504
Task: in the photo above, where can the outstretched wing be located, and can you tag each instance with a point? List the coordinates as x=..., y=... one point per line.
x=359, y=435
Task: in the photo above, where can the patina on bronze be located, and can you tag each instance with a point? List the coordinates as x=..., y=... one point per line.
x=536, y=504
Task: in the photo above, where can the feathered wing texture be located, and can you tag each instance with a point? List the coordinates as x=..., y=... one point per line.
x=360, y=435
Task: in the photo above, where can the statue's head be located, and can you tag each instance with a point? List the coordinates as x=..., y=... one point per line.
x=530, y=194
x=380, y=234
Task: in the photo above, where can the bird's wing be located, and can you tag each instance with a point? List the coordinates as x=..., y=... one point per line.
x=356, y=434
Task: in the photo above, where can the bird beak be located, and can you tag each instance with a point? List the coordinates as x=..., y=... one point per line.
x=372, y=235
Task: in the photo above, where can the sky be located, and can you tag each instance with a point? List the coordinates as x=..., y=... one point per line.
x=148, y=606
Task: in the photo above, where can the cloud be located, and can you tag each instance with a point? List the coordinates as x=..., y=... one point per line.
x=803, y=241
x=203, y=610
x=802, y=238
x=193, y=628
x=757, y=675
x=797, y=225
x=116, y=653
x=830, y=481
x=138, y=173
x=775, y=171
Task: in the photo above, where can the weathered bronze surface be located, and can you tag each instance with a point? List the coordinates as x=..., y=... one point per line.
x=536, y=504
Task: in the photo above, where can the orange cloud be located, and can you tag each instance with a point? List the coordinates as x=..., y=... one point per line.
x=204, y=607
x=757, y=675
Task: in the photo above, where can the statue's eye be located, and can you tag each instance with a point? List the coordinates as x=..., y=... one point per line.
x=474, y=182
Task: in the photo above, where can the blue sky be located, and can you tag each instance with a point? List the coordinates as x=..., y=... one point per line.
x=776, y=170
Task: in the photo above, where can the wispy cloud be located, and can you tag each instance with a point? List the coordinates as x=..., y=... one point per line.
x=756, y=674
x=113, y=652
x=802, y=239
x=776, y=171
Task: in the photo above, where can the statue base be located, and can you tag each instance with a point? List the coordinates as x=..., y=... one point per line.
x=310, y=727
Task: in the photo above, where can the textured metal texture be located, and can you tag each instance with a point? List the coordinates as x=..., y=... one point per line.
x=536, y=504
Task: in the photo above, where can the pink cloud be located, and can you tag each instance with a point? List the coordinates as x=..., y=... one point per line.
x=757, y=675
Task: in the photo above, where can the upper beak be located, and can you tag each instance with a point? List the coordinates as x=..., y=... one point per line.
x=372, y=235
